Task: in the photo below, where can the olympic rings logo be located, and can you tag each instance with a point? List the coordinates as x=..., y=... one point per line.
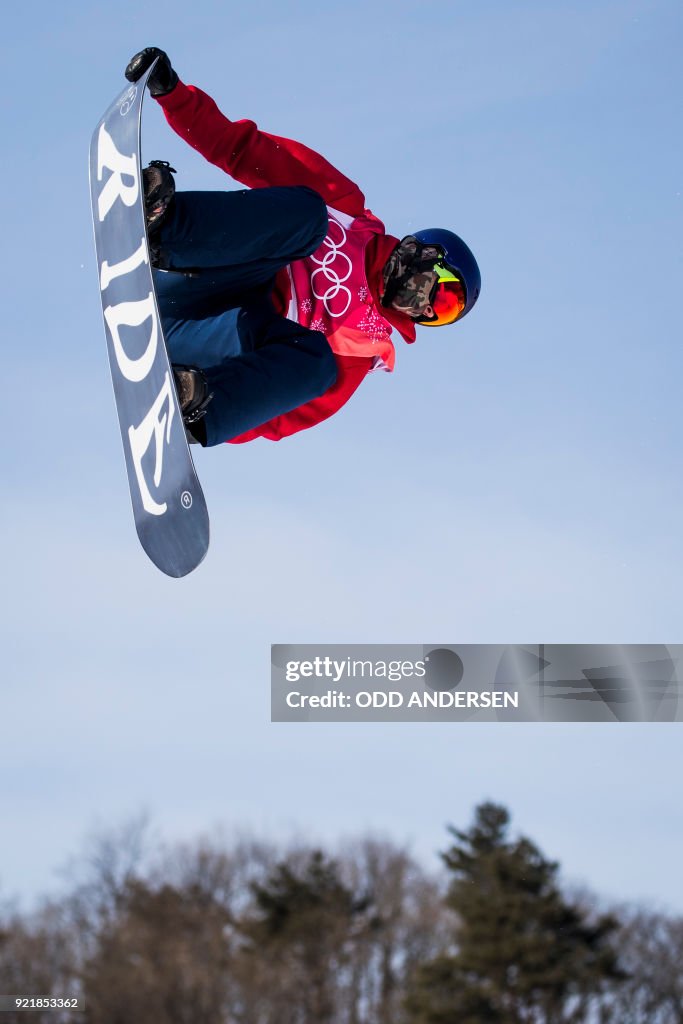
x=333, y=261
x=128, y=101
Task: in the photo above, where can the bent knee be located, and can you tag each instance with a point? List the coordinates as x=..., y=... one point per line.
x=326, y=369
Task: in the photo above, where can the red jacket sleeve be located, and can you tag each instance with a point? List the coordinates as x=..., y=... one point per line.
x=252, y=157
x=351, y=370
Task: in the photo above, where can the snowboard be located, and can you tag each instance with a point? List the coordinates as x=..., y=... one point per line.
x=170, y=513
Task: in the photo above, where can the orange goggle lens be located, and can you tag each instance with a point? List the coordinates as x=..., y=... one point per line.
x=448, y=300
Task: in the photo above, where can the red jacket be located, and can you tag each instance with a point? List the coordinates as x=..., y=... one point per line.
x=258, y=160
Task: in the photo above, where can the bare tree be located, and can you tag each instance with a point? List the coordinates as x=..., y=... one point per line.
x=38, y=956
x=651, y=947
x=408, y=923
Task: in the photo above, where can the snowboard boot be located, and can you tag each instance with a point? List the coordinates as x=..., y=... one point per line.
x=194, y=396
x=159, y=185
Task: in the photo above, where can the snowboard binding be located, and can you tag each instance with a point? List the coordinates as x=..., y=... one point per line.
x=193, y=392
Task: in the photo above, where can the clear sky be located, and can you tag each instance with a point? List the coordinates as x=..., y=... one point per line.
x=518, y=479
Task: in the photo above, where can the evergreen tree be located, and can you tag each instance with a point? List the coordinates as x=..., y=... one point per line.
x=304, y=923
x=522, y=953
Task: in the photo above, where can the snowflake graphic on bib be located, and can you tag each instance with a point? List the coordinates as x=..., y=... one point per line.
x=375, y=326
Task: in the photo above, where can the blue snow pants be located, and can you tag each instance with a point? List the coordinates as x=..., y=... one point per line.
x=259, y=365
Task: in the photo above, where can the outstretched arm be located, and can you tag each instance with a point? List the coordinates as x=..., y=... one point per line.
x=255, y=158
x=252, y=157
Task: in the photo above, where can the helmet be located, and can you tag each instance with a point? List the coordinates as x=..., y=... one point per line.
x=460, y=259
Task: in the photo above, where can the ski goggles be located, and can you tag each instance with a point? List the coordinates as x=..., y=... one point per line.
x=408, y=274
x=447, y=298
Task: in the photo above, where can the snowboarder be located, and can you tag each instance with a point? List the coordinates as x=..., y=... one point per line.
x=277, y=300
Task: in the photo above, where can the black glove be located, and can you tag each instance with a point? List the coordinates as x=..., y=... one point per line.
x=163, y=79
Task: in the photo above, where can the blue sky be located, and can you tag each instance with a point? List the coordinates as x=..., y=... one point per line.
x=518, y=478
